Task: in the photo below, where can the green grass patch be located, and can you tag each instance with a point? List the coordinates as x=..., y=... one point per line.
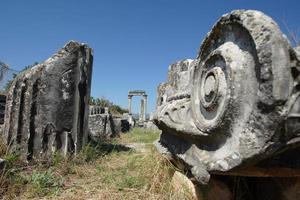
x=141, y=135
x=122, y=171
x=45, y=183
x=125, y=171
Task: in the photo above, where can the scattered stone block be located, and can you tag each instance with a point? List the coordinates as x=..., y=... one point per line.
x=184, y=188
x=47, y=105
x=229, y=106
x=121, y=125
x=101, y=127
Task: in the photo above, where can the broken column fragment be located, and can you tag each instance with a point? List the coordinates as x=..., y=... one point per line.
x=47, y=105
x=229, y=106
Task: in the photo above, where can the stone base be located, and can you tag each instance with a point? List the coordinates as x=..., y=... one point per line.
x=184, y=187
x=237, y=187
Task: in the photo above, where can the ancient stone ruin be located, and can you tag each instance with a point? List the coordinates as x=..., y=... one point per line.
x=47, y=105
x=236, y=105
x=143, y=105
x=100, y=124
x=103, y=125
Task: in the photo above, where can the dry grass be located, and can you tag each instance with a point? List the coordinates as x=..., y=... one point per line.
x=140, y=135
x=121, y=175
x=106, y=171
x=3, y=148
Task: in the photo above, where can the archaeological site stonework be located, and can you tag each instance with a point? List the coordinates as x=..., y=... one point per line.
x=143, y=107
x=47, y=105
x=103, y=125
x=236, y=104
x=233, y=111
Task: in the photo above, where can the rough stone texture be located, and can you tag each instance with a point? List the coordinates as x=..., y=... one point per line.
x=121, y=124
x=102, y=125
x=2, y=107
x=47, y=105
x=229, y=106
x=251, y=188
x=184, y=188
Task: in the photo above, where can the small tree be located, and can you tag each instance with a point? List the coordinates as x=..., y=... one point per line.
x=117, y=109
x=92, y=101
x=9, y=82
x=103, y=102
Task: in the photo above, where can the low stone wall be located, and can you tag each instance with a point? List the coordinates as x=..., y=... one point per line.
x=101, y=127
x=104, y=126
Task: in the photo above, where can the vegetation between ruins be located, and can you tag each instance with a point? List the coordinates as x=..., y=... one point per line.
x=103, y=102
x=110, y=170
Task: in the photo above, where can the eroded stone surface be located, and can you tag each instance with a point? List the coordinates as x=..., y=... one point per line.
x=184, y=188
x=102, y=125
x=228, y=107
x=47, y=105
x=121, y=124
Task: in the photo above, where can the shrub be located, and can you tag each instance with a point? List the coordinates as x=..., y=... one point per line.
x=45, y=183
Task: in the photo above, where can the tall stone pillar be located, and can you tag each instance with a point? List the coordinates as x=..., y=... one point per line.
x=142, y=111
x=145, y=106
x=129, y=104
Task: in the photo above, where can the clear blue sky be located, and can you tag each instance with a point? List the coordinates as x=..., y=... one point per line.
x=134, y=41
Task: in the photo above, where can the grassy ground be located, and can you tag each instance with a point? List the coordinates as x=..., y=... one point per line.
x=105, y=171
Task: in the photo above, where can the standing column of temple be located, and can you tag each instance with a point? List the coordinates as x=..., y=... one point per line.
x=145, y=107
x=129, y=104
x=142, y=111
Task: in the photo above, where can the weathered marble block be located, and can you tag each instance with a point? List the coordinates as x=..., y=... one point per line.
x=47, y=105
x=229, y=106
x=102, y=125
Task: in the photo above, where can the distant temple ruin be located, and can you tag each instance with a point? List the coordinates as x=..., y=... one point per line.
x=143, y=104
